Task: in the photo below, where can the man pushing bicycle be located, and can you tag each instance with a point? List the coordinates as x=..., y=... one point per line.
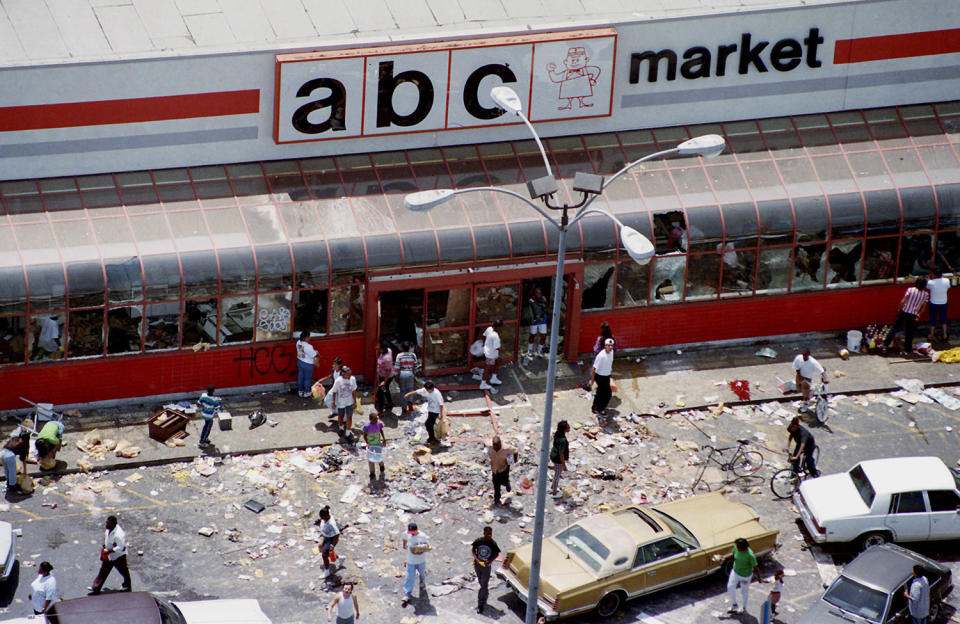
x=807, y=367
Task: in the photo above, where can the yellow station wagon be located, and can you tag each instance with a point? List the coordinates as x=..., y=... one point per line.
x=606, y=559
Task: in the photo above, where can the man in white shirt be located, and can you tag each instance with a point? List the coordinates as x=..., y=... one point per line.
x=600, y=374
x=491, y=351
x=807, y=368
x=416, y=545
x=435, y=408
x=938, y=287
x=43, y=589
x=344, y=400
x=113, y=554
x=306, y=357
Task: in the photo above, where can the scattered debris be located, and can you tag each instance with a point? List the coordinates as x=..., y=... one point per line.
x=741, y=388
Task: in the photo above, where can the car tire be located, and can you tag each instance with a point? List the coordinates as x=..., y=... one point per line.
x=609, y=604
x=874, y=538
x=934, y=611
x=726, y=568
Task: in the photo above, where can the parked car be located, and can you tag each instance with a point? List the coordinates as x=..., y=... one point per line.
x=8, y=550
x=898, y=499
x=145, y=608
x=606, y=559
x=870, y=588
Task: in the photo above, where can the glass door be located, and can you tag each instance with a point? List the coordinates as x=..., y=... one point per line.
x=446, y=339
x=498, y=302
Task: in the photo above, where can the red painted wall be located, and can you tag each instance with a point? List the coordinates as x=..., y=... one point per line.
x=833, y=310
x=99, y=379
x=118, y=377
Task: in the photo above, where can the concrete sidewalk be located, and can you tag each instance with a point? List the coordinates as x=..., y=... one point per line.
x=654, y=383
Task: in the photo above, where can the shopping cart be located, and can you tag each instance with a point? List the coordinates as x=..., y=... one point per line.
x=41, y=414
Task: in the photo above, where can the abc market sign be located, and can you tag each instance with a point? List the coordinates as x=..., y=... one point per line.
x=435, y=87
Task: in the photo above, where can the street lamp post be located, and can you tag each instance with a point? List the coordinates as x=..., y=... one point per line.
x=637, y=245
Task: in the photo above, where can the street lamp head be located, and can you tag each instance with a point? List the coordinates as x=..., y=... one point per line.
x=707, y=145
x=542, y=187
x=589, y=183
x=507, y=99
x=637, y=245
x=425, y=200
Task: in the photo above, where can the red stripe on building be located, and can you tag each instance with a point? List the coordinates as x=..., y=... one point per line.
x=896, y=46
x=73, y=114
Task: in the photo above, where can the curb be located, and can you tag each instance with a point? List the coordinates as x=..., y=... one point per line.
x=789, y=398
x=162, y=461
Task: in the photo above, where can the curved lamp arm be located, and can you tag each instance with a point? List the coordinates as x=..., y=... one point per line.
x=425, y=200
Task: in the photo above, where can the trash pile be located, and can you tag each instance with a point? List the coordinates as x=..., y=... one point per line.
x=95, y=447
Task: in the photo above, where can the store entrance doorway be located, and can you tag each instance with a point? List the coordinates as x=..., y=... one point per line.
x=444, y=317
x=531, y=339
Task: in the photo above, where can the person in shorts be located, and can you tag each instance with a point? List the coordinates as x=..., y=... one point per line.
x=373, y=436
x=345, y=400
x=938, y=287
x=537, y=313
x=807, y=368
x=491, y=351
x=331, y=535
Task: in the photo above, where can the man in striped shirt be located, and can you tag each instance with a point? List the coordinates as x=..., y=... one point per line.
x=209, y=406
x=912, y=304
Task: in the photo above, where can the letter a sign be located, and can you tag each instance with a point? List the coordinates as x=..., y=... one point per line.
x=443, y=86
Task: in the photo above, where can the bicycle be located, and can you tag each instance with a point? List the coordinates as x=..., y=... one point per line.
x=743, y=463
x=821, y=405
x=785, y=481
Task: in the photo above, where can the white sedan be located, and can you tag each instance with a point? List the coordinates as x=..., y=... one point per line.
x=144, y=608
x=897, y=499
x=8, y=550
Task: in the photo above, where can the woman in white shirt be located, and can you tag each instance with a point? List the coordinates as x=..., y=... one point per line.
x=43, y=589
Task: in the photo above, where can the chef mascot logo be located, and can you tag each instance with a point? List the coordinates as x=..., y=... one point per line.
x=576, y=79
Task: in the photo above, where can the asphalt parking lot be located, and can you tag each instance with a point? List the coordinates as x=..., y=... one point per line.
x=270, y=555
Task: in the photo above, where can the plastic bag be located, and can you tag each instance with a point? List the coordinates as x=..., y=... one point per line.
x=476, y=349
x=317, y=390
x=441, y=429
x=328, y=399
x=25, y=482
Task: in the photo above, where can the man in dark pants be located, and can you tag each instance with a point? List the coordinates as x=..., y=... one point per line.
x=485, y=551
x=804, y=445
x=602, y=368
x=911, y=305
x=500, y=457
x=113, y=554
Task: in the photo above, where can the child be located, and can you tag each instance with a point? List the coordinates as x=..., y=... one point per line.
x=373, y=434
x=775, y=591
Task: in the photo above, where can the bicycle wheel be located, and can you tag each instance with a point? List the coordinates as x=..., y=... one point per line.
x=822, y=409
x=747, y=463
x=784, y=483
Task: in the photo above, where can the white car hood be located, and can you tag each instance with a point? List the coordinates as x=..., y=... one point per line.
x=832, y=497
x=241, y=611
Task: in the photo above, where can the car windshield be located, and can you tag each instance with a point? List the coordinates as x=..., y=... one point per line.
x=856, y=598
x=169, y=613
x=678, y=529
x=587, y=547
x=862, y=483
